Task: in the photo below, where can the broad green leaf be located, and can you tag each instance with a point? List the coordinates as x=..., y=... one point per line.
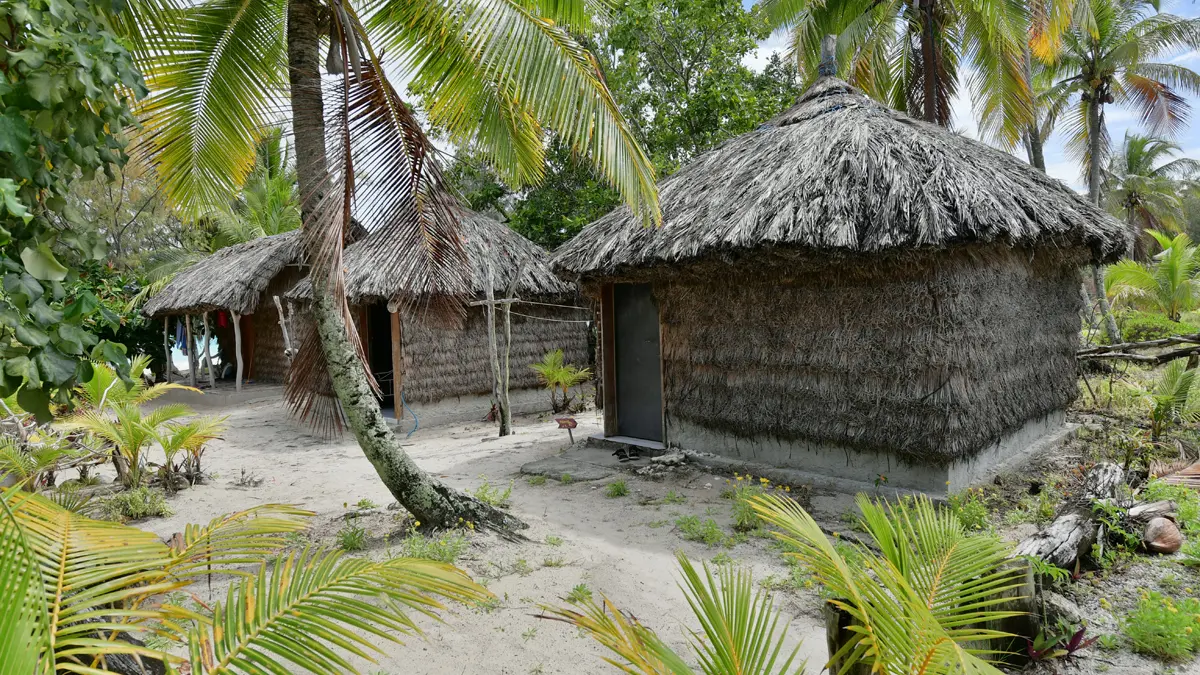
x=35, y=401
x=31, y=335
x=55, y=368
x=24, y=368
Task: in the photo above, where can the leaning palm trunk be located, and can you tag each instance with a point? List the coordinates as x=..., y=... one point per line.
x=429, y=500
x=1110, y=323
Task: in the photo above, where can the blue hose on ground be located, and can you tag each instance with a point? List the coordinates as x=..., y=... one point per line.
x=416, y=422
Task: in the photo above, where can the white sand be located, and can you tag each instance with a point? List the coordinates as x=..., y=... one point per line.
x=607, y=542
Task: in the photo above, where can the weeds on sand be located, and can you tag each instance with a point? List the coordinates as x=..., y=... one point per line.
x=580, y=593
x=537, y=480
x=446, y=547
x=617, y=488
x=1164, y=627
x=706, y=531
x=493, y=496
x=352, y=537
x=554, y=540
x=673, y=497
x=135, y=504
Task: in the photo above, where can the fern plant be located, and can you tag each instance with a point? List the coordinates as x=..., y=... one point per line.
x=76, y=589
x=916, y=600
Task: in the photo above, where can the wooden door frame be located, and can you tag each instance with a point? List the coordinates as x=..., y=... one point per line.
x=397, y=363
x=608, y=362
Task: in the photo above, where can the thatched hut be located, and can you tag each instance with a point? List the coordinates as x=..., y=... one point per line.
x=442, y=369
x=241, y=280
x=849, y=292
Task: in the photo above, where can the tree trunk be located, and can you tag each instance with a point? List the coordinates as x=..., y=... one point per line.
x=1110, y=323
x=1033, y=135
x=929, y=61
x=498, y=401
x=430, y=501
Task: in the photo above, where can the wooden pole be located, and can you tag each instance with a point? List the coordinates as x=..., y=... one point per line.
x=212, y=374
x=397, y=364
x=191, y=347
x=167, y=345
x=492, y=349
x=506, y=407
x=237, y=345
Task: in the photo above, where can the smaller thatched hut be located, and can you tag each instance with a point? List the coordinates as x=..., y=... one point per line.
x=240, y=280
x=442, y=370
x=849, y=292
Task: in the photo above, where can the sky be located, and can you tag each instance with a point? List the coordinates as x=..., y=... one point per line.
x=1058, y=163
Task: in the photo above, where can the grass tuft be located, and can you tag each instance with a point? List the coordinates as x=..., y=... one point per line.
x=617, y=488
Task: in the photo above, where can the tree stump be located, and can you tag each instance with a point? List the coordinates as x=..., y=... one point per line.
x=1073, y=533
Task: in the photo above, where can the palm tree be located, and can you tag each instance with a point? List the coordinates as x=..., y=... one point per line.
x=917, y=599
x=495, y=75
x=1168, y=285
x=1107, y=57
x=908, y=53
x=1144, y=186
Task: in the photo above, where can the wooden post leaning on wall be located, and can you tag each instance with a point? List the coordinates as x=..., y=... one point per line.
x=237, y=345
x=191, y=350
x=397, y=364
x=212, y=373
x=167, y=347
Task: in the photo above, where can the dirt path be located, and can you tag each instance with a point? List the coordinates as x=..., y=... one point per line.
x=618, y=547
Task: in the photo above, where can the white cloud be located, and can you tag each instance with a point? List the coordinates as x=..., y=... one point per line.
x=757, y=59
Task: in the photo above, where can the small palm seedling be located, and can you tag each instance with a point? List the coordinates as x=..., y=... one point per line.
x=558, y=376
x=129, y=432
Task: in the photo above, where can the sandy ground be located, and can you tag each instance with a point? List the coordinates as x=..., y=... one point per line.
x=608, y=543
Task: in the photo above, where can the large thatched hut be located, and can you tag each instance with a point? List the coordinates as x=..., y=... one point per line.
x=849, y=292
x=439, y=369
x=239, y=282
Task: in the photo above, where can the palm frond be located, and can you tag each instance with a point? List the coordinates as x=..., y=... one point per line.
x=241, y=538
x=24, y=628
x=309, y=600
x=639, y=651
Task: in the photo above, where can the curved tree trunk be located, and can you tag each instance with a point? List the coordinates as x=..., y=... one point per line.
x=1110, y=323
x=430, y=501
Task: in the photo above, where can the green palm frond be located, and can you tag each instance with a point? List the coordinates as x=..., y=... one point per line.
x=24, y=625
x=217, y=80
x=96, y=575
x=241, y=538
x=741, y=632
x=283, y=614
x=495, y=71
x=639, y=650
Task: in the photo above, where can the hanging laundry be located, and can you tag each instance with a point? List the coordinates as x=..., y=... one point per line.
x=180, y=337
x=222, y=319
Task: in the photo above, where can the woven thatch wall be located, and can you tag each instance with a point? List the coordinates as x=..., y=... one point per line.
x=442, y=361
x=261, y=334
x=930, y=356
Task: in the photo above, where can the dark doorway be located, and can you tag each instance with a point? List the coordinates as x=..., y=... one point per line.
x=638, y=366
x=379, y=350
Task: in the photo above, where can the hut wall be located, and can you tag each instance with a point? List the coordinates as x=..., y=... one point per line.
x=445, y=361
x=925, y=359
x=267, y=361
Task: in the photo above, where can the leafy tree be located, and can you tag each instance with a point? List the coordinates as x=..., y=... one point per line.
x=1167, y=285
x=495, y=76
x=1144, y=186
x=63, y=113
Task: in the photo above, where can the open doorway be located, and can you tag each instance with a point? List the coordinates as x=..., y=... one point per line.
x=378, y=339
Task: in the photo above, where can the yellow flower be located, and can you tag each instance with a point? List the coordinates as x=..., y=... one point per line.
x=764, y=481
x=787, y=488
x=416, y=523
x=739, y=478
x=1188, y=630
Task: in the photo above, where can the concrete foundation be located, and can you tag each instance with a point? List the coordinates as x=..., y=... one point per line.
x=456, y=409
x=851, y=470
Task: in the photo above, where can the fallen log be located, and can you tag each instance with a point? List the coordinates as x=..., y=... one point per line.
x=1144, y=358
x=1073, y=533
x=1191, y=338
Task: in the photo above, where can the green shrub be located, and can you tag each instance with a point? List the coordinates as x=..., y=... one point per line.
x=1139, y=326
x=1164, y=627
x=970, y=508
x=1187, y=502
x=352, y=537
x=493, y=496
x=135, y=504
x=444, y=548
x=694, y=529
x=673, y=497
x=617, y=488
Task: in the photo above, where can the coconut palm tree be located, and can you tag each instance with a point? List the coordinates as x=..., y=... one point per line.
x=1108, y=57
x=494, y=73
x=1167, y=285
x=1144, y=185
x=908, y=54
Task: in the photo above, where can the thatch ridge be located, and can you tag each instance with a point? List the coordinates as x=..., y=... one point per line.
x=370, y=277
x=233, y=278
x=840, y=172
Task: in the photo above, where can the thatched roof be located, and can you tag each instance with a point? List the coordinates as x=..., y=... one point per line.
x=370, y=278
x=233, y=278
x=839, y=172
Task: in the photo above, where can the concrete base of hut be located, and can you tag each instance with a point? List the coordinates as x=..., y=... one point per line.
x=457, y=409
x=854, y=470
